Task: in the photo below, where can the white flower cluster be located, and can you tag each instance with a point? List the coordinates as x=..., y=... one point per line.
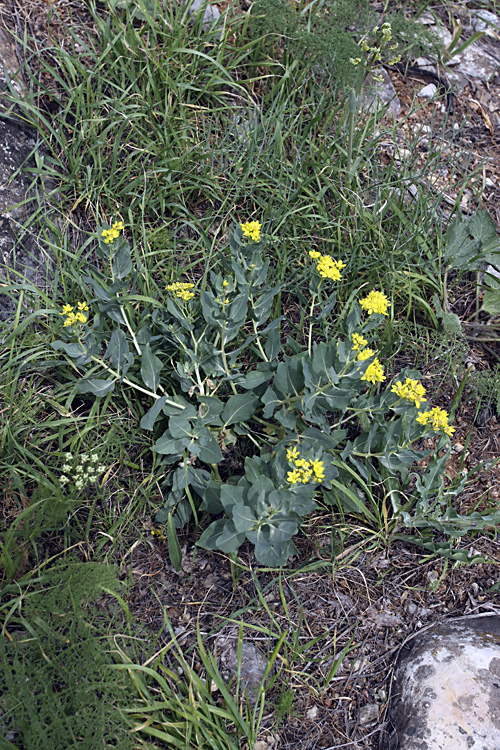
x=86, y=471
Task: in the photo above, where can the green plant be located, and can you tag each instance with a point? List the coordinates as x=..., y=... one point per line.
x=216, y=371
x=55, y=674
x=192, y=710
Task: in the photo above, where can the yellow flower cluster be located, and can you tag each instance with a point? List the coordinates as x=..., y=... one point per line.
x=304, y=470
x=374, y=372
x=365, y=354
x=72, y=317
x=437, y=419
x=358, y=342
x=251, y=230
x=181, y=289
x=326, y=266
x=110, y=235
x=375, y=302
x=411, y=389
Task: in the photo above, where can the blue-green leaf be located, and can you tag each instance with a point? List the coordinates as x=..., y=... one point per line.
x=239, y=408
x=118, y=351
x=97, y=386
x=151, y=366
x=148, y=420
x=72, y=350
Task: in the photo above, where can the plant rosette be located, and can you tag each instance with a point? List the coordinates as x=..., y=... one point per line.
x=207, y=370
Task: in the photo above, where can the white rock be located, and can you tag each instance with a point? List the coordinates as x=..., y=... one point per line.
x=448, y=688
x=211, y=12
x=428, y=92
x=485, y=20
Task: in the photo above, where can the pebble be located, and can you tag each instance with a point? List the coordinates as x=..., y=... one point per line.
x=428, y=92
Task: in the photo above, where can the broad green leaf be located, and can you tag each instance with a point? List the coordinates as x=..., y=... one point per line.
x=209, y=451
x=167, y=446
x=254, y=379
x=208, y=540
x=231, y=495
x=72, y=350
x=239, y=408
x=271, y=402
x=211, y=498
x=244, y=517
x=272, y=555
x=229, y=540
x=148, y=420
x=96, y=386
x=118, y=351
x=151, y=366
x=122, y=262
x=210, y=408
x=180, y=427
x=273, y=344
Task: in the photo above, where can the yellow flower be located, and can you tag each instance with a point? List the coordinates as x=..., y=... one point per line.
x=314, y=254
x=110, y=235
x=365, y=354
x=251, y=230
x=437, y=419
x=73, y=318
x=225, y=283
x=375, y=302
x=181, y=289
x=374, y=372
x=304, y=470
x=329, y=268
x=318, y=468
x=411, y=390
x=358, y=342
x=294, y=477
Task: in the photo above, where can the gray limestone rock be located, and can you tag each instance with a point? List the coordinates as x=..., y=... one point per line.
x=447, y=688
x=252, y=667
x=486, y=21
x=22, y=257
x=382, y=93
x=211, y=13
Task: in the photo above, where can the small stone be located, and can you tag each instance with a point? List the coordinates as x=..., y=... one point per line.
x=428, y=92
x=253, y=663
x=312, y=713
x=458, y=447
x=368, y=714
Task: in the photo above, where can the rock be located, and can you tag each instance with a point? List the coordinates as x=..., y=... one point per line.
x=381, y=93
x=485, y=20
x=211, y=13
x=21, y=256
x=368, y=713
x=474, y=62
x=447, y=688
x=428, y=92
x=253, y=663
